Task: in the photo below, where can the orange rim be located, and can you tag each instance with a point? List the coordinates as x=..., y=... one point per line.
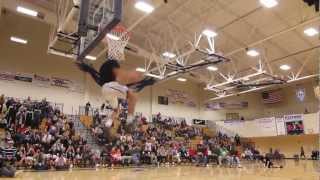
x=121, y=29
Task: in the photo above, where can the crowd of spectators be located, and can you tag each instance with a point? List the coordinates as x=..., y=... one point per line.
x=40, y=137
x=166, y=141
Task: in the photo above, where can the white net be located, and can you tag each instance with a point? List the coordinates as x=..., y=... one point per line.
x=117, y=40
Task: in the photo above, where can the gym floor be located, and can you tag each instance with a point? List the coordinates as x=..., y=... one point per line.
x=302, y=170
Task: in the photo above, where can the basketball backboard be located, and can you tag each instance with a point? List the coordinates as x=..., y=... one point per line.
x=97, y=18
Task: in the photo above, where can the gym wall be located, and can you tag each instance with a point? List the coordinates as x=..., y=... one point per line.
x=256, y=109
x=33, y=58
x=288, y=145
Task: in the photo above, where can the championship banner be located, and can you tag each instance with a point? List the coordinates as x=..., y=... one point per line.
x=190, y=103
x=180, y=97
x=7, y=76
x=235, y=105
x=176, y=96
x=266, y=126
x=41, y=80
x=23, y=77
x=301, y=94
x=281, y=129
x=294, y=124
x=293, y=117
x=76, y=87
x=213, y=106
x=60, y=82
x=226, y=105
x=233, y=124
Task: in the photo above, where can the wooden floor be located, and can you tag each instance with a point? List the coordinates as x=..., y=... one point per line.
x=304, y=170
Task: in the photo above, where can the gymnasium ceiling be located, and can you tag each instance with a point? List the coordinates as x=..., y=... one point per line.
x=239, y=24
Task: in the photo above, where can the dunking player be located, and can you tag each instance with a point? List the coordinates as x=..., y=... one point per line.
x=118, y=83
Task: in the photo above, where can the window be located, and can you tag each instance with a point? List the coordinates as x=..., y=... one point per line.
x=232, y=116
x=163, y=100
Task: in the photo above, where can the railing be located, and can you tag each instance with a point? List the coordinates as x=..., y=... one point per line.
x=89, y=112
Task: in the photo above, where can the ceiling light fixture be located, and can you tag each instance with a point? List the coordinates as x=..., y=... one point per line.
x=92, y=58
x=269, y=3
x=311, y=31
x=18, y=40
x=285, y=67
x=209, y=33
x=169, y=55
x=27, y=11
x=212, y=68
x=144, y=6
x=182, y=79
x=139, y=69
x=253, y=53
x=154, y=75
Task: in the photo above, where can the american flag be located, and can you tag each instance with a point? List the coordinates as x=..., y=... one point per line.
x=272, y=97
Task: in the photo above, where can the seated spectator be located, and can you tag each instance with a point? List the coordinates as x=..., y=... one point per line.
x=248, y=155
x=5, y=169
x=40, y=161
x=60, y=163
x=8, y=152
x=115, y=156
x=192, y=154
x=202, y=155
x=277, y=155
x=162, y=154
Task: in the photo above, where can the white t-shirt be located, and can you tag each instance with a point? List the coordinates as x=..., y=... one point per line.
x=113, y=91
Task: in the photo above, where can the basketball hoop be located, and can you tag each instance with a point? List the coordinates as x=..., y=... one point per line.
x=117, y=40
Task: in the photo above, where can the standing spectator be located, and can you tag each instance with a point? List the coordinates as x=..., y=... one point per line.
x=87, y=108
x=237, y=139
x=1, y=102
x=302, y=153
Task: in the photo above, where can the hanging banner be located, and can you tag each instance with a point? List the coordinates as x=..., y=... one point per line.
x=76, y=87
x=266, y=126
x=190, y=103
x=281, y=129
x=7, y=76
x=60, y=82
x=301, y=94
x=23, y=77
x=233, y=124
x=226, y=105
x=293, y=117
x=294, y=124
x=180, y=97
x=41, y=80
x=213, y=106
